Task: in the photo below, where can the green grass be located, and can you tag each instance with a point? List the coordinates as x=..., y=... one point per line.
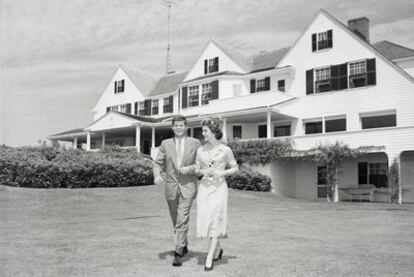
x=127, y=232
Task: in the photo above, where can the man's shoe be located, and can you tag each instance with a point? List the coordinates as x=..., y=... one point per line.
x=185, y=251
x=177, y=259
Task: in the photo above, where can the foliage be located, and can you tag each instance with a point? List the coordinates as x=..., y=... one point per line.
x=48, y=167
x=249, y=180
x=261, y=151
x=393, y=181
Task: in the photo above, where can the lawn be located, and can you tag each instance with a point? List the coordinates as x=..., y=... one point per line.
x=127, y=232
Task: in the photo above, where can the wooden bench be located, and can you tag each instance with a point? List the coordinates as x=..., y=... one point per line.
x=362, y=192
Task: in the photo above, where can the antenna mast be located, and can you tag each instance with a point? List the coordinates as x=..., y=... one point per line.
x=169, y=4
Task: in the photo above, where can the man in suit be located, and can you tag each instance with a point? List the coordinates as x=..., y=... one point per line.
x=180, y=190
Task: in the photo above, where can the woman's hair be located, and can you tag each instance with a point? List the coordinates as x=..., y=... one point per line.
x=214, y=126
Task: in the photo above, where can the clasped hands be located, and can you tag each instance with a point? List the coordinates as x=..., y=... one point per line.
x=212, y=173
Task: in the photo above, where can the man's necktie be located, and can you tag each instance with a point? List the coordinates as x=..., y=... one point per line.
x=179, y=152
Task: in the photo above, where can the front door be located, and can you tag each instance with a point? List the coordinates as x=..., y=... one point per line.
x=322, y=185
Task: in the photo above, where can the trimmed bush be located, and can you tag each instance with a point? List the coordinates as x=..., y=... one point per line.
x=249, y=180
x=47, y=167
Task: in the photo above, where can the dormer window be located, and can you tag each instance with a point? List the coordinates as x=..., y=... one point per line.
x=211, y=65
x=321, y=40
x=259, y=85
x=119, y=86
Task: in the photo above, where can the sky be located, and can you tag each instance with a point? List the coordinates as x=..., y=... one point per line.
x=57, y=57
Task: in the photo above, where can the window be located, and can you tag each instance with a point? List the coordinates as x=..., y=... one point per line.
x=198, y=133
x=373, y=173
x=322, y=80
x=259, y=85
x=379, y=121
x=281, y=85
x=335, y=125
x=193, y=98
x=321, y=40
x=281, y=131
x=237, y=132
x=168, y=104
x=236, y=89
x=362, y=73
x=206, y=93
x=155, y=106
x=322, y=182
x=119, y=86
x=262, y=131
x=114, y=108
x=141, y=108
x=211, y=65
x=123, y=108
x=313, y=127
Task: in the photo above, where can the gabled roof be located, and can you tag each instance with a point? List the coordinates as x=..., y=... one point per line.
x=392, y=50
x=241, y=60
x=141, y=79
x=268, y=59
x=228, y=73
x=168, y=83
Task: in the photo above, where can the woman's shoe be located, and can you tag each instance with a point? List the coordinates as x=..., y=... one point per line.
x=206, y=268
x=219, y=255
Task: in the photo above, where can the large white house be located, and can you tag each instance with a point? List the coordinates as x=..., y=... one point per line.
x=331, y=85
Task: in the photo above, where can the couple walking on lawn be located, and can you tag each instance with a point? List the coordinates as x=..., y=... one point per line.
x=178, y=165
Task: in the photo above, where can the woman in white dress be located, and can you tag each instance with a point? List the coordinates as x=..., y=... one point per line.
x=214, y=161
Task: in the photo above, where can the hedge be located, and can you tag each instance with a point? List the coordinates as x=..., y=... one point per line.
x=248, y=180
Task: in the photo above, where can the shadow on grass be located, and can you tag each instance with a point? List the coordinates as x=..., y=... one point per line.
x=200, y=256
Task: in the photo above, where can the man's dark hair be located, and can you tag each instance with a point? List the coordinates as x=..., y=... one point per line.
x=179, y=118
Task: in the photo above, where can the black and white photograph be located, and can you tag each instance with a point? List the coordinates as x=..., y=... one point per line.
x=206, y=138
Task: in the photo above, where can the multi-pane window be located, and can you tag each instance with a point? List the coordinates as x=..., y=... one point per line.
x=114, y=108
x=262, y=131
x=335, y=125
x=155, y=106
x=168, y=105
x=260, y=85
x=123, y=108
x=237, y=132
x=313, y=127
x=322, y=40
x=237, y=89
x=206, y=93
x=211, y=65
x=358, y=74
x=119, y=86
x=322, y=79
x=373, y=173
x=141, y=108
x=281, y=85
x=281, y=131
x=378, y=121
x=193, y=97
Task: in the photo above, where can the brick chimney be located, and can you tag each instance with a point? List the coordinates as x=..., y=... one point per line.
x=360, y=26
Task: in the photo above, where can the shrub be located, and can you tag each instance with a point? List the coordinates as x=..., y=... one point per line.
x=45, y=167
x=248, y=180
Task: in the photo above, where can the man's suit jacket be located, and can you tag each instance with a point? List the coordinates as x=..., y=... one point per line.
x=166, y=166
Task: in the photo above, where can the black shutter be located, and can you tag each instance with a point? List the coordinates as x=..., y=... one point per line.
x=205, y=66
x=371, y=72
x=172, y=103
x=313, y=42
x=115, y=87
x=216, y=64
x=343, y=76
x=108, y=109
x=147, y=107
x=362, y=173
x=252, y=85
x=267, y=83
x=214, y=90
x=329, y=38
x=334, y=77
x=184, y=97
x=309, y=81
x=136, y=108
x=121, y=89
x=128, y=108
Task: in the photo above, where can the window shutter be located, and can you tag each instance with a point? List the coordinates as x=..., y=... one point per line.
x=329, y=38
x=184, y=97
x=309, y=81
x=128, y=108
x=115, y=87
x=362, y=173
x=214, y=90
x=267, y=83
x=343, y=76
x=334, y=77
x=136, y=108
x=172, y=102
x=108, y=109
x=147, y=107
x=205, y=66
x=371, y=72
x=313, y=42
x=216, y=63
x=252, y=86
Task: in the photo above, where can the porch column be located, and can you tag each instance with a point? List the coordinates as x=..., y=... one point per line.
x=192, y=132
x=75, y=143
x=224, y=129
x=103, y=140
x=269, y=123
x=395, y=158
x=138, y=137
x=88, y=141
x=152, y=137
